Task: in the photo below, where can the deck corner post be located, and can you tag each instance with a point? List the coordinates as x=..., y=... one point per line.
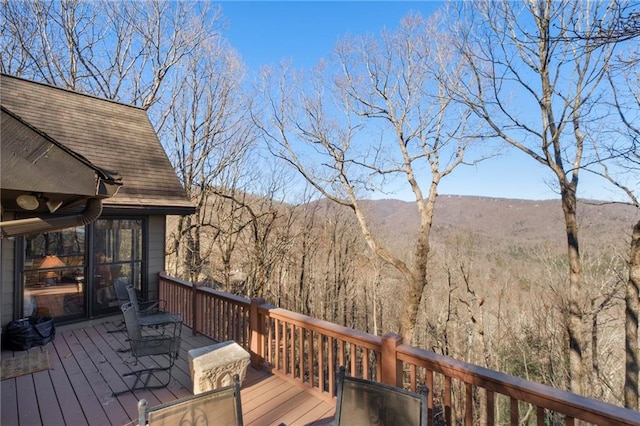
x=256, y=335
x=391, y=366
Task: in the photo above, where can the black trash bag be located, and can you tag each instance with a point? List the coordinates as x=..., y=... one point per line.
x=25, y=333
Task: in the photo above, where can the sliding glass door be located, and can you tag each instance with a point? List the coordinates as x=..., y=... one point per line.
x=72, y=273
x=118, y=256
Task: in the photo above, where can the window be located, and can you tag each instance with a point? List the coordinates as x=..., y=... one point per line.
x=54, y=273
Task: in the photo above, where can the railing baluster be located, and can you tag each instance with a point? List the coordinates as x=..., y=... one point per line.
x=285, y=347
x=540, y=416
x=320, y=363
x=310, y=358
x=447, y=401
x=490, y=412
x=278, y=344
x=352, y=350
x=303, y=357
x=429, y=380
x=412, y=378
x=515, y=412
x=365, y=363
x=293, y=350
x=468, y=404
x=332, y=366
x=273, y=341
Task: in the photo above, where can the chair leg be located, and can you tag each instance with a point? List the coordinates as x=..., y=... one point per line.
x=143, y=378
x=121, y=328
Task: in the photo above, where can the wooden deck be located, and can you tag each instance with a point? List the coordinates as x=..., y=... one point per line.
x=86, y=368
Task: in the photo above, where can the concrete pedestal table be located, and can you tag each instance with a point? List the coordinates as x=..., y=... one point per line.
x=213, y=366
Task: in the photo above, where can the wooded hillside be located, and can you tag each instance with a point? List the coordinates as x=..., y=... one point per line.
x=498, y=273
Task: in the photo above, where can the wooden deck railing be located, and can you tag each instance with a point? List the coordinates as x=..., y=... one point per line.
x=309, y=351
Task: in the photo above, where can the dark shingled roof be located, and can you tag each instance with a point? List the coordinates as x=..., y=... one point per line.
x=111, y=135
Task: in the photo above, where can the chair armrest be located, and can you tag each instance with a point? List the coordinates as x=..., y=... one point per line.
x=161, y=319
x=152, y=307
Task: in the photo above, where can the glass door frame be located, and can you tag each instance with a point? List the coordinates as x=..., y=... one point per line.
x=87, y=285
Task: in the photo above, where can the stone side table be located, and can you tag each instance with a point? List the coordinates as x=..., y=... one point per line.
x=213, y=366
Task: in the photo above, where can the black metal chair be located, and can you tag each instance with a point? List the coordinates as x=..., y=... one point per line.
x=150, y=314
x=163, y=345
x=143, y=307
x=120, y=285
x=217, y=407
x=363, y=402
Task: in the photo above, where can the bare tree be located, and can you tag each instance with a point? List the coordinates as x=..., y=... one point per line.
x=166, y=56
x=118, y=50
x=631, y=162
x=208, y=135
x=374, y=119
x=269, y=230
x=619, y=150
x=524, y=58
x=618, y=161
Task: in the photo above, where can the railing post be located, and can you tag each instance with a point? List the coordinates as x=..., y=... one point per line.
x=256, y=332
x=391, y=366
x=194, y=307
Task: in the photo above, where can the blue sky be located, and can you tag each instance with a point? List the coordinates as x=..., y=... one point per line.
x=266, y=32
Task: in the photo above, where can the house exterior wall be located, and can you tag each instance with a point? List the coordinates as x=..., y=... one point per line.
x=156, y=251
x=7, y=274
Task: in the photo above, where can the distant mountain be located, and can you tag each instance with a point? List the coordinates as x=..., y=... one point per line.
x=504, y=222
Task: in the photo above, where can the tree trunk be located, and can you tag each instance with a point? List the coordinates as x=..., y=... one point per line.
x=575, y=306
x=632, y=307
x=417, y=282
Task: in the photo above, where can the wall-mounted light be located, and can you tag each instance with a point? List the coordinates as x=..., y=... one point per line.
x=28, y=202
x=53, y=205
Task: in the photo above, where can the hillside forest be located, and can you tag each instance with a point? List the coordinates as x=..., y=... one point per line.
x=282, y=166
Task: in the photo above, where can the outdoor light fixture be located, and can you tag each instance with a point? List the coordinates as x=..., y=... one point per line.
x=53, y=205
x=28, y=202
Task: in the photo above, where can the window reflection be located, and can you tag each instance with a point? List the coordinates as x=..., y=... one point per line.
x=118, y=261
x=53, y=273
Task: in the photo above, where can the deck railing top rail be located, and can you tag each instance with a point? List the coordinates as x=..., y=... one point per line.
x=577, y=406
x=326, y=328
x=227, y=296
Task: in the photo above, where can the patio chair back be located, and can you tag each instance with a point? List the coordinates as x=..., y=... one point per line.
x=133, y=298
x=217, y=407
x=122, y=294
x=363, y=402
x=144, y=308
x=131, y=322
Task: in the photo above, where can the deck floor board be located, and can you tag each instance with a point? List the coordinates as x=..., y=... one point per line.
x=86, y=367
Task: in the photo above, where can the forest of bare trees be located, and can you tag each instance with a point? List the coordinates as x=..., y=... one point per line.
x=280, y=171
